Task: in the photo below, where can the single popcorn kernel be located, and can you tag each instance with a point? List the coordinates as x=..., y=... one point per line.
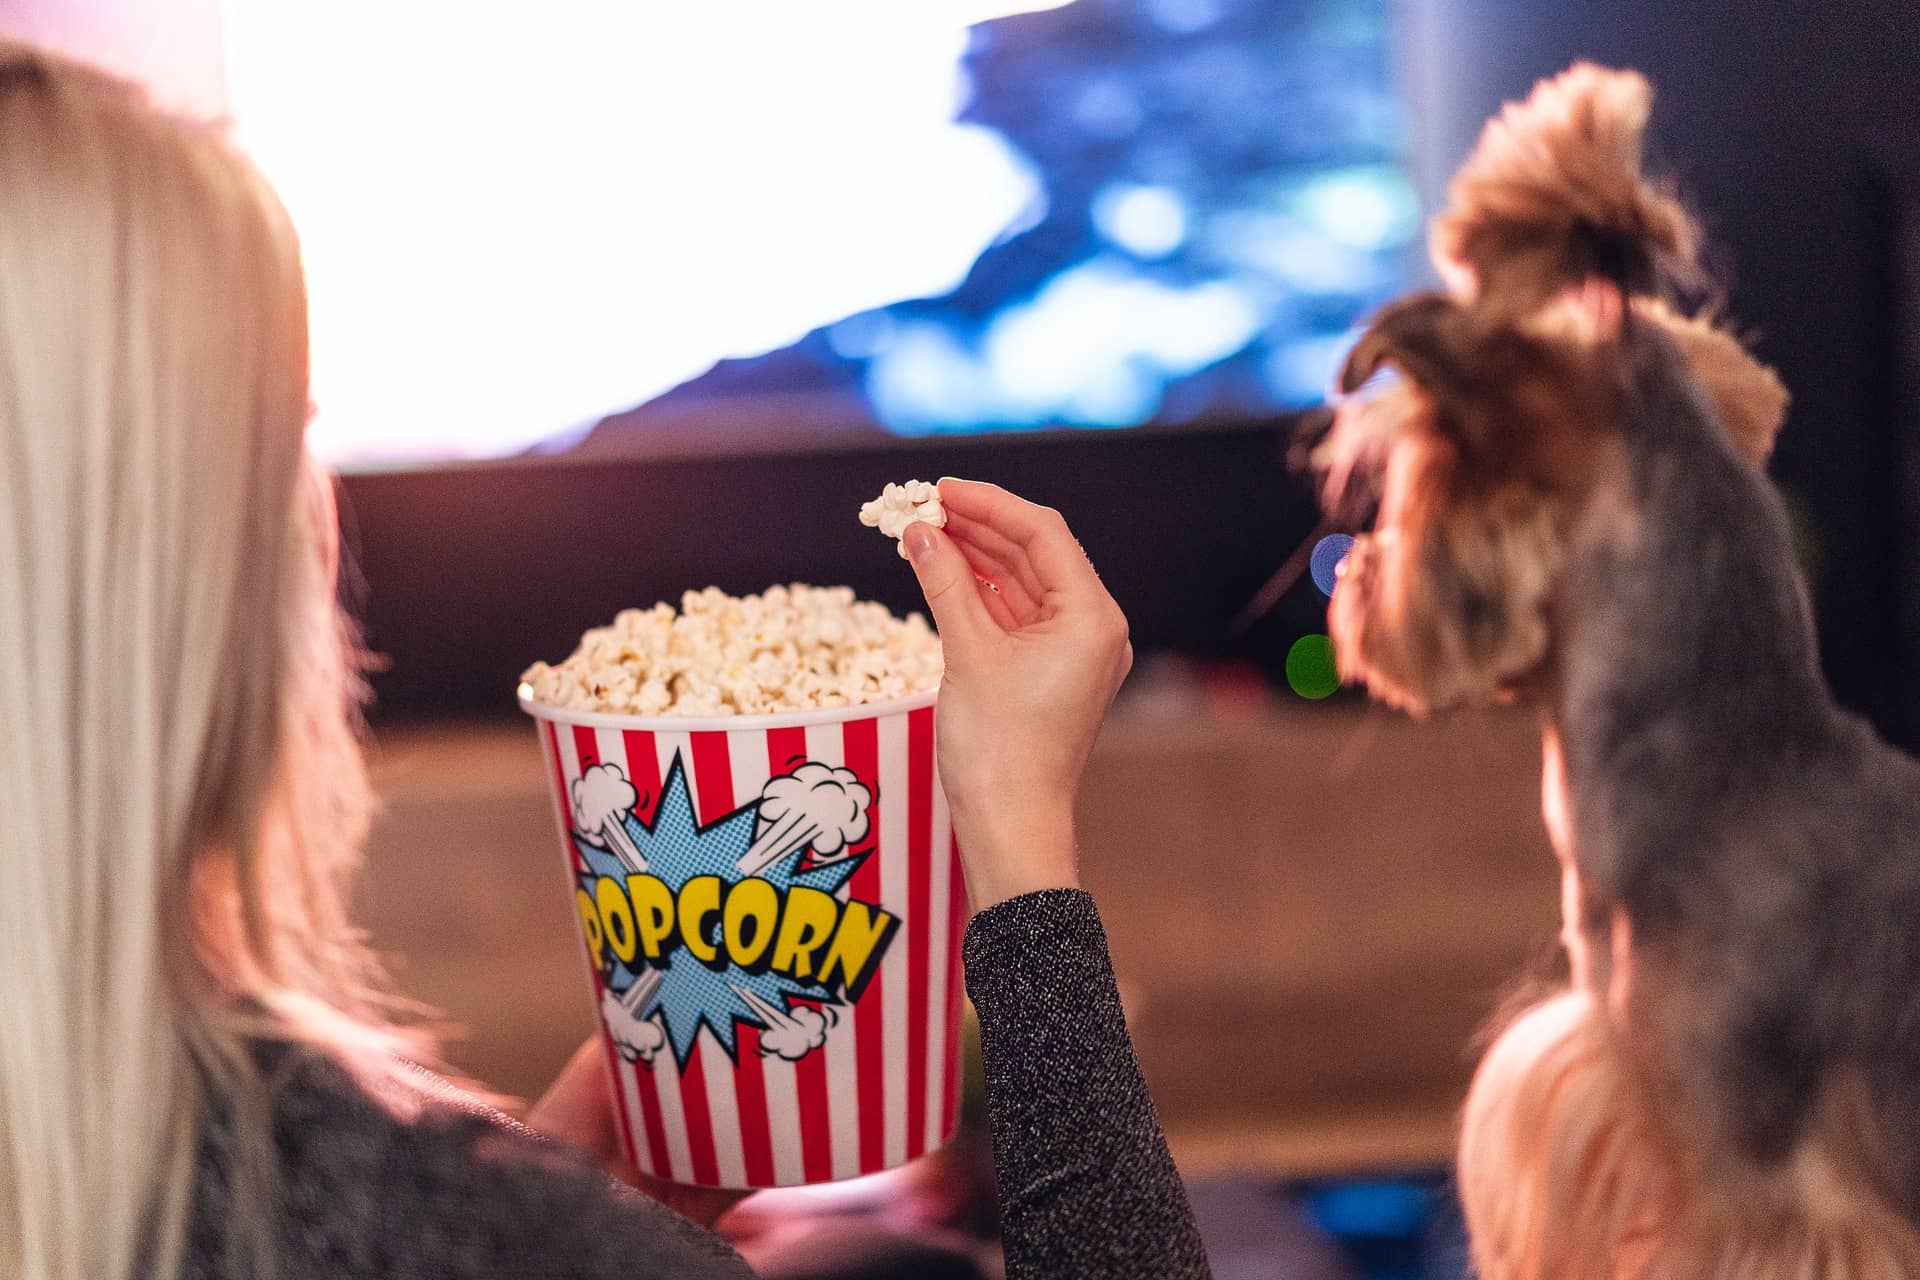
x=793, y=648
x=900, y=505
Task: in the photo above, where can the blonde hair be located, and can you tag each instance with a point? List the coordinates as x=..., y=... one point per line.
x=181, y=788
x=1566, y=1172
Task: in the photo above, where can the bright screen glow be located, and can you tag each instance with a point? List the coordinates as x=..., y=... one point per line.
x=743, y=223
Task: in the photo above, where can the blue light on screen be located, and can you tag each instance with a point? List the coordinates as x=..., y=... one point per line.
x=1220, y=195
x=824, y=222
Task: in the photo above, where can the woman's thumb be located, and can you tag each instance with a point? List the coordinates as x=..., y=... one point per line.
x=946, y=579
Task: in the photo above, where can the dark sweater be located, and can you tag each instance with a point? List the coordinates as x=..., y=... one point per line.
x=1087, y=1187
x=463, y=1194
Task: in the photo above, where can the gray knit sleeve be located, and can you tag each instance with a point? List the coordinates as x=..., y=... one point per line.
x=1087, y=1186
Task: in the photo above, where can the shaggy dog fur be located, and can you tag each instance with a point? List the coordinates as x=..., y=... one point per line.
x=1570, y=510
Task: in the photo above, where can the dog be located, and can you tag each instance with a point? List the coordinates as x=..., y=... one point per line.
x=1563, y=504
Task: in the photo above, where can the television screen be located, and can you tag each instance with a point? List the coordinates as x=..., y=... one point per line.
x=654, y=230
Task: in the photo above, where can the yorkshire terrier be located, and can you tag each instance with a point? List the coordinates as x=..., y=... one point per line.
x=1568, y=508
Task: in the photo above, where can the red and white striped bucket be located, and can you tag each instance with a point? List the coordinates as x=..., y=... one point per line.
x=822, y=1081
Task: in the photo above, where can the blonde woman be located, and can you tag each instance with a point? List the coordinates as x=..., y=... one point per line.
x=199, y=1078
x=197, y=1073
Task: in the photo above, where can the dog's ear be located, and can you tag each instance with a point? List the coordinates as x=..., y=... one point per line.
x=1439, y=347
x=1468, y=373
x=1509, y=397
x=1423, y=337
x=1420, y=333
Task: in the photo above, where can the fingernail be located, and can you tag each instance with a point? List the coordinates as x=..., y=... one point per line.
x=919, y=540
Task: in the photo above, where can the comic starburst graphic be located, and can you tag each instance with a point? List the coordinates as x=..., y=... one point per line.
x=676, y=848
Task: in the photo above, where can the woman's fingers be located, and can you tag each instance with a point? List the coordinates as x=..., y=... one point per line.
x=578, y=1108
x=984, y=544
x=998, y=609
x=1022, y=608
x=950, y=586
x=1040, y=532
x=1006, y=587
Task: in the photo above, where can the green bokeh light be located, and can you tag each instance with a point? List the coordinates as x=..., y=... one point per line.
x=1310, y=670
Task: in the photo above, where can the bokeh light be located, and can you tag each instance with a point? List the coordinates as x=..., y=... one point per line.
x=1310, y=669
x=1327, y=555
x=1147, y=221
x=1366, y=206
x=1185, y=17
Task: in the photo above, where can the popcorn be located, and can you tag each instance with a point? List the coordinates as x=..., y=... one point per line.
x=791, y=648
x=900, y=505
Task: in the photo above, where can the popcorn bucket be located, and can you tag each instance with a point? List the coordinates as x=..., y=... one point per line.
x=772, y=910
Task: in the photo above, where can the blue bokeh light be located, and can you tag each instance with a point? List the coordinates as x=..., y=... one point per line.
x=1325, y=564
x=1147, y=221
x=1377, y=1210
x=1365, y=207
x=1185, y=17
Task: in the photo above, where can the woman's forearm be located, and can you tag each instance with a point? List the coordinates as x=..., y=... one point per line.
x=1087, y=1186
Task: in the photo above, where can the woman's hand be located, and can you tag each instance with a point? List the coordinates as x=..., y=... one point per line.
x=578, y=1110
x=1035, y=651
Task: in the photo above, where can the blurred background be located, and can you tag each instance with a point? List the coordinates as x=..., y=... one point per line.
x=613, y=300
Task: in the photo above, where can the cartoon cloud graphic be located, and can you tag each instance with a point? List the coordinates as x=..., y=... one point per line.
x=637, y=1038
x=602, y=799
x=817, y=804
x=790, y=1034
